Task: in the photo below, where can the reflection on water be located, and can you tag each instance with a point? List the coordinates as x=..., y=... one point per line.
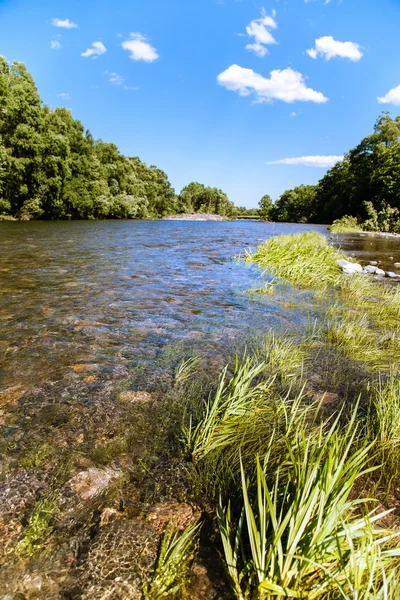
x=365, y=247
x=101, y=297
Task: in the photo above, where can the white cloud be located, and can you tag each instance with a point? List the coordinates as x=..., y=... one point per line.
x=140, y=48
x=308, y=161
x=65, y=23
x=286, y=85
x=259, y=30
x=119, y=80
x=392, y=97
x=115, y=78
x=258, y=49
x=55, y=45
x=293, y=114
x=97, y=49
x=64, y=96
x=329, y=48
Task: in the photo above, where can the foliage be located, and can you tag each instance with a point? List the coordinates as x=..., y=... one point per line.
x=247, y=213
x=266, y=206
x=51, y=168
x=186, y=369
x=305, y=537
x=295, y=206
x=175, y=557
x=198, y=198
x=345, y=224
x=303, y=259
x=367, y=183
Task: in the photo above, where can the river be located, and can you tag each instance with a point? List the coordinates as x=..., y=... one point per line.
x=108, y=296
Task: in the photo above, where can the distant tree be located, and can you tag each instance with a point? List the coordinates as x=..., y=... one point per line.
x=296, y=205
x=266, y=206
x=368, y=179
x=198, y=198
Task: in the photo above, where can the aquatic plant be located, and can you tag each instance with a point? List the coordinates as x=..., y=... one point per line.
x=185, y=369
x=175, y=556
x=303, y=536
x=38, y=528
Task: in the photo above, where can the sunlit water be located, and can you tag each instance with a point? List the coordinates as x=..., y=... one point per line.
x=117, y=294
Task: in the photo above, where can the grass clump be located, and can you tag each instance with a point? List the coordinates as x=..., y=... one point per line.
x=175, y=557
x=345, y=225
x=383, y=425
x=302, y=536
x=303, y=259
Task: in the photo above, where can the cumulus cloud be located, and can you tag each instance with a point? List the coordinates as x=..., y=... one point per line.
x=140, y=48
x=286, y=85
x=329, y=48
x=392, y=97
x=259, y=29
x=293, y=114
x=97, y=49
x=308, y=161
x=55, y=45
x=64, y=23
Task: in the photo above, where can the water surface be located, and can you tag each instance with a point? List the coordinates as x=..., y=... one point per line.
x=109, y=295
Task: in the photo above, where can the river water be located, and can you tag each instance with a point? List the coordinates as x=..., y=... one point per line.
x=104, y=297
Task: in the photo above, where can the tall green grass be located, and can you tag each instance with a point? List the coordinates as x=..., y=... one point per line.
x=303, y=259
x=345, y=225
x=303, y=536
x=177, y=552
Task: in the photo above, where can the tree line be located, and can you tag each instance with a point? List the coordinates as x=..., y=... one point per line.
x=52, y=168
x=365, y=185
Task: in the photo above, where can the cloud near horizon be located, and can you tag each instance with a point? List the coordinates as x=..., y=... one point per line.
x=286, y=85
x=308, y=161
x=97, y=49
x=329, y=48
x=259, y=30
x=392, y=97
x=64, y=23
x=140, y=48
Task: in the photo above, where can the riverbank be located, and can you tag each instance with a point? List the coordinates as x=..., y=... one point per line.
x=195, y=217
x=108, y=462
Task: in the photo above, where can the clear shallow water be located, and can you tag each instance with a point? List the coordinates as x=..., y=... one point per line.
x=114, y=294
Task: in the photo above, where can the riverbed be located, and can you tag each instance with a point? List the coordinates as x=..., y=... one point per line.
x=118, y=294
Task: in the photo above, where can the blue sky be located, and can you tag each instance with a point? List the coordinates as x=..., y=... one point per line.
x=187, y=84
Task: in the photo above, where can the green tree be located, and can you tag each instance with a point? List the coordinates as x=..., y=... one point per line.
x=266, y=205
x=198, y=198
x=296, y=205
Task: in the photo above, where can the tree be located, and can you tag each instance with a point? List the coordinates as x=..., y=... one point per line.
x=295, y=206
x=266, y=205
x=198, y=198
x=368, y=179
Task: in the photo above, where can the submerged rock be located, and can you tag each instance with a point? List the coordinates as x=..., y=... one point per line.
x=130, y=396
x=120, y=557
x=180, y=514
x=92, y=483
